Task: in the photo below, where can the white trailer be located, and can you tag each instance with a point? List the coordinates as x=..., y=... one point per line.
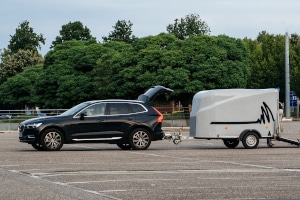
x=235, y=115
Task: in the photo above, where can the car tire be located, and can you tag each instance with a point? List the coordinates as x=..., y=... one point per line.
x=250, y=140
x=37, y=147
x=231, y=143
x=140, y=139
x=52, y=140
x=124, y=146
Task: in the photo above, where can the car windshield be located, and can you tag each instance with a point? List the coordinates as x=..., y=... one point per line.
x=75, y=109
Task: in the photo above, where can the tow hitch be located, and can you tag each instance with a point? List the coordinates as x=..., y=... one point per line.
x=176, y=137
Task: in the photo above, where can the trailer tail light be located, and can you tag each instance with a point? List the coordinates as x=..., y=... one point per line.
x=160, y=116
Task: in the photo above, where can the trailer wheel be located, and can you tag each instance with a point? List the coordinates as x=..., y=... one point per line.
x=250, y=140
x=231, y=143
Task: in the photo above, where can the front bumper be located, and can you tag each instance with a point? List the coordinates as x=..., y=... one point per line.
x=27, y=135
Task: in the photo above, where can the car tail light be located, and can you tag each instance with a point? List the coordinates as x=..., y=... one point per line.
x=160, y=116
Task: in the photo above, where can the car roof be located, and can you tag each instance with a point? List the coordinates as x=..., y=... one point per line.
x=115, y=100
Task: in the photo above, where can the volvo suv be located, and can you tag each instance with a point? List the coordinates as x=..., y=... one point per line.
x=130, y=124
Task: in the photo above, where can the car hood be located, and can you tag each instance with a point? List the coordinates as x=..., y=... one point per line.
x=153, y=92
x=42, y=119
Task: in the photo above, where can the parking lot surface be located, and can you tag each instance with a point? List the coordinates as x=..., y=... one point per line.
x=194, y=169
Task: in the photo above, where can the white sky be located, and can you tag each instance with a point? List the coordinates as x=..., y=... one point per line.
x=235, y=18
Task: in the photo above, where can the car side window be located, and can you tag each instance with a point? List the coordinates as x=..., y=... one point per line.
x=95, y=110
x=118, y=108
x=137, y=108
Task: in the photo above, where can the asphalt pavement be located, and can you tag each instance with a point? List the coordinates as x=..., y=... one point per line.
x=193, y=169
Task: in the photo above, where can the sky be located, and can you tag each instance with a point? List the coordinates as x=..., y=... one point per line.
x=234, y=18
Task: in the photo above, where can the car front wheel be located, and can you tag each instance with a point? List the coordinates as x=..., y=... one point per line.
x=140, y=139
x=124, y=146
x=52, y=140
x=38, y=147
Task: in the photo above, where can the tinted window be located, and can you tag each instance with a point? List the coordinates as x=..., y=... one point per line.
x=95, y=110
x=137, y=108
x=118, y=108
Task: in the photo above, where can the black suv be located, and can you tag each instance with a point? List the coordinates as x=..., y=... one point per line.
x=127, y=123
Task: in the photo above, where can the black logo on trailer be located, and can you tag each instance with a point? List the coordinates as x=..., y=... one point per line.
x=266, y=116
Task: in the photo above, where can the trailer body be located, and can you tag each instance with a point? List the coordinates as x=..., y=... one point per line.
x=231, y=114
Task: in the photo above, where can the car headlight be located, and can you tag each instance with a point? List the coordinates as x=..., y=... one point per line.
x=33, y=125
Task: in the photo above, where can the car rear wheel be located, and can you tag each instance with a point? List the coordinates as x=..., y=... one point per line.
x=140, y=139
x=52, y=140
x=124, y=146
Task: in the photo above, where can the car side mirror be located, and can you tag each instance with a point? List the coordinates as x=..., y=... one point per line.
x=82, y=115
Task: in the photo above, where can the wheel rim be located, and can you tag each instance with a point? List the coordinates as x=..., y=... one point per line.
x=251, y=140
x=141, y=139
x=52, y=140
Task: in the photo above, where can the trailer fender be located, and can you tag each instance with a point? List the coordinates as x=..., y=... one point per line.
x=249, y=130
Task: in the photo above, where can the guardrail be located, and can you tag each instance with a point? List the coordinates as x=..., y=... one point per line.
x=10, y=119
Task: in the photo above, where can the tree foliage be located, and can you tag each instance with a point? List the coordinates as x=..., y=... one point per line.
x=73, y=31
x=25, y=38
x=197, y=63
x=13, y=64
x=67, y=78
x=267, y=66
x=78, y=68
x=188, y=26
x=19, y=90
x=122, y=32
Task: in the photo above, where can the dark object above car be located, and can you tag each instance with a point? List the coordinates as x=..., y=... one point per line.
x=131, y=124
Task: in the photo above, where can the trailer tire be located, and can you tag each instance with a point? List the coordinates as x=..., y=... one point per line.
x=231, y=143
x=250, y=140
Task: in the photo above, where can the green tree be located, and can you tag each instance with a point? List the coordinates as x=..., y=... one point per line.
x=267, y=54
x=13, y=64
x=294, y=63
x=187, y=66
x=68, y=76
x=19, y=90
x=122, y=32
x=25, y=38
x=188, y=26
x=73, y=31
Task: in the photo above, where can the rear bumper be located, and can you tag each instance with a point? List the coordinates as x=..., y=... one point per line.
x=159, y=135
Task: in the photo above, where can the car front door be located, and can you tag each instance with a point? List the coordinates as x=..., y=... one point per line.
x=89, y=123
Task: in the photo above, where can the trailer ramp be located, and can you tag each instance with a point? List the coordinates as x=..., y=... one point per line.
x=295, y=142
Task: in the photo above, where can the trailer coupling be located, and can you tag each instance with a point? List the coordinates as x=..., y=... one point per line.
x=176, y=137
x=289, y=140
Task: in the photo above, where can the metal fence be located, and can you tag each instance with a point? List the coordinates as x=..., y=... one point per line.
x=10, y=119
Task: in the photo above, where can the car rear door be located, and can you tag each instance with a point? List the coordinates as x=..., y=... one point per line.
x=119, y=119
